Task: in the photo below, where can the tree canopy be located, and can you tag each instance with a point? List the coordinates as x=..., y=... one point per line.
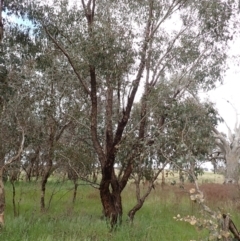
x=79, y=67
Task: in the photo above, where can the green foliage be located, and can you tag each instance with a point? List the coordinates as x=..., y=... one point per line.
x=187, y=125
x=75, y=71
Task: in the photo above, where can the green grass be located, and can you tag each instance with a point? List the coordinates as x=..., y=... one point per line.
x=64, y=221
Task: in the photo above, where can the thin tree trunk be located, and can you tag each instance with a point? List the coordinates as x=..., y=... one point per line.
x=46, y=174
x=75, y=191
x=139, y=204
x=48, y=169
x=13, y=198
x=43, y=189
x=140, y=200
x=163, y=178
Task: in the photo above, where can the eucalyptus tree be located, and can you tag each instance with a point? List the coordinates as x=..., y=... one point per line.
x=229, y=151
x=115, y=47
x=11, y=100
x=53, y=99
x=12, y=134
x=178, y=134
x=77, y=159
x=38, y=81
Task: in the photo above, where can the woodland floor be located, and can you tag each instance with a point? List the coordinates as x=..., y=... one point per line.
x=65, y=221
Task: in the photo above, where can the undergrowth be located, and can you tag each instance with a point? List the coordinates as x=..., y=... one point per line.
x=65, y=221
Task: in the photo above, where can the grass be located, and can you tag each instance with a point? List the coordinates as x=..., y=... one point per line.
x=206, y=177
x=64, y=221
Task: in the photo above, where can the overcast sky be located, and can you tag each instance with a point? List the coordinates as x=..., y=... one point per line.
x=227, y=95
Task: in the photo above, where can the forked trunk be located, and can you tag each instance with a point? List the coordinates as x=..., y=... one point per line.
x=111, y=201
x=2, y=197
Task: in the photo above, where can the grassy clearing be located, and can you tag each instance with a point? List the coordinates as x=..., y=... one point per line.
x=206, y=177
x=64, y=221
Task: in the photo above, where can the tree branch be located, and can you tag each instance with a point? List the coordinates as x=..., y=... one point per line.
x=69, y=60
x=126, y=112
x=14, y=158
x=58, y=136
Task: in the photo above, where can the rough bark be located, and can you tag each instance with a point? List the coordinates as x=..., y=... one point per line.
x=112, y=204
x=110, y=193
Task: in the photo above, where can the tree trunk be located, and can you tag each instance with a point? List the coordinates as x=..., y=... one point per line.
x=75, y=191
x=2, y=197
x=112, y=204
x=43, y=189
x=132, y=212
x=111, y=199
x=232, y=169
x=3, y=165
x=13, y=198
x=140, y=199
x=163, y=178
x=43, y=185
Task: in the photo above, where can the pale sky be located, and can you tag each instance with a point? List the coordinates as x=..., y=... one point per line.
x=227, y=95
